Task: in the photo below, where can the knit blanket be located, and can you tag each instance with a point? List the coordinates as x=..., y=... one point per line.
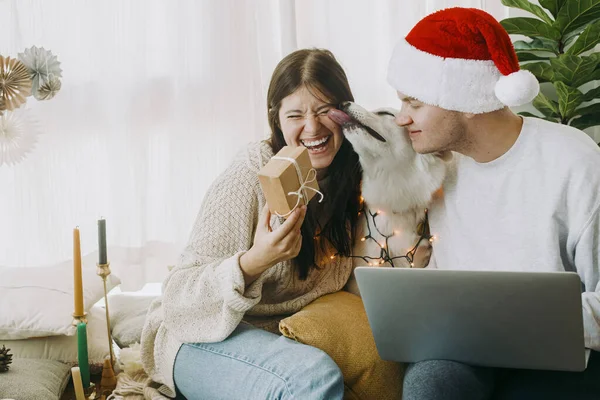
x=133, y=383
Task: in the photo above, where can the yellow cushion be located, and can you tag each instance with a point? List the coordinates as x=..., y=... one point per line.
x=337, y=324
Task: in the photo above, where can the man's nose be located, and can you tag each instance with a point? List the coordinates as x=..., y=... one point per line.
x=403, y=120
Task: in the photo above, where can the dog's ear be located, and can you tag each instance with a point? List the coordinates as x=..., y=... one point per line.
x=445, y=155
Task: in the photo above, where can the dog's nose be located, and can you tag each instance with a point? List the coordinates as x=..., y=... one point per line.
x=344, y=105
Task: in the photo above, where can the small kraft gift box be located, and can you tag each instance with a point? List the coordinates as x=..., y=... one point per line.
x=289, y=180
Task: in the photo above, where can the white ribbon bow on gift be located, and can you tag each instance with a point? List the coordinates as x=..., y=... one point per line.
x=301, y=192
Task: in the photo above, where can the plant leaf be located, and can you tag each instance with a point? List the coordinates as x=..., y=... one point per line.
x=532, y=27
x=573, y=70
x=594, y=77
x=542, y=71
x=546, y=106
x=553, y=6
x=537, y=44
x=575, y=14
x=594, y=109
x=530, y=57
x=592, y=94
x=587, y=121
x=532, y=8
x=567, y=40
x=568, y=99
x=588, y=39
x=528, y=114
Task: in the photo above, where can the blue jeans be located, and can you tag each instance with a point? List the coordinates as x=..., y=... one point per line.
x=449, y=380
x=256, y=364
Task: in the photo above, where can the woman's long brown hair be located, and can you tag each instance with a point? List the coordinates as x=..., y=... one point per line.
x=323, y=76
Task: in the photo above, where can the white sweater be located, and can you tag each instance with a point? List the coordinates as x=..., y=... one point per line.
x=536, y=208
x=204, y=297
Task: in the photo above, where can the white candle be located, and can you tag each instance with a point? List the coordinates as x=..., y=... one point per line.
x=77, y=384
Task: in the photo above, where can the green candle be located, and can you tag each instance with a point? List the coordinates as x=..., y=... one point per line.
x=82, y=354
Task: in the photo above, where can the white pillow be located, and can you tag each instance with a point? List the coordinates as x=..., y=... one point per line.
x=38, y=301
x=64, y=348
x=127, y=316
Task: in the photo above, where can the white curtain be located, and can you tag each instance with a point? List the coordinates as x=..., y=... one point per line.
x=157, y=96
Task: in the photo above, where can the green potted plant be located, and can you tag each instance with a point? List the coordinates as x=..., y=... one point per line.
x=560, y=53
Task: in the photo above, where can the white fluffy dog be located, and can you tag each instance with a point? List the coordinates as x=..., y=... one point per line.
x=397, y=186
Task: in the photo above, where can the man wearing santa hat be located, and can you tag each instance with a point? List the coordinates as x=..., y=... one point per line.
x=522, y=193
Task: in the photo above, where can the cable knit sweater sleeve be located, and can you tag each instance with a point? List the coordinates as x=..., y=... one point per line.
x=204, y=297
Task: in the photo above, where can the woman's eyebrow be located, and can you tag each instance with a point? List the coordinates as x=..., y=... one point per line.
x=324, y=106
x=300, y=111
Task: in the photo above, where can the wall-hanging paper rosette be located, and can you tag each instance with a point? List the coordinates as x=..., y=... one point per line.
x=36, y=71
x=18, y=135
x=45, y=71
x=48, y=90
x=15, y=83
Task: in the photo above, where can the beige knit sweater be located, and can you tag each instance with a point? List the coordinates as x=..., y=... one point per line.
x=204, y=298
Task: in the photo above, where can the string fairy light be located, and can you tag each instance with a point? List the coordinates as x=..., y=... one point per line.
x=385, y=255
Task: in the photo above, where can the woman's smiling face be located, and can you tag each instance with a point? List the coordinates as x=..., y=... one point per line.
x=304, y=122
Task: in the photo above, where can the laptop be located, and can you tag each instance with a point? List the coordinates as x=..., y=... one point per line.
x=530, y=320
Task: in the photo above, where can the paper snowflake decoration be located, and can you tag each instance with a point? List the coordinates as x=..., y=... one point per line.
x=48, y=90
x=15, y=83
x=18, y=136
x=44, y=69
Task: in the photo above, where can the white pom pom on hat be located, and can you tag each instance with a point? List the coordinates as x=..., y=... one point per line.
x=517, y=88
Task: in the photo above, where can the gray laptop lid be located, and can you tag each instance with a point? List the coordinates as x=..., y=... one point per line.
x=527, y=320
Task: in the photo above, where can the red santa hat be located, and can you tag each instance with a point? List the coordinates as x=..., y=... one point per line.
x=461, y=59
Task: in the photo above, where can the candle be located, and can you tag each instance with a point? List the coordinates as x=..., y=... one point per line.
x=77, y=384
x=77, y=279
x=102, y=240
x=82, y=354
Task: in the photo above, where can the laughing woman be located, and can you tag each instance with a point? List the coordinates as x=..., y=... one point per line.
x=212, y=335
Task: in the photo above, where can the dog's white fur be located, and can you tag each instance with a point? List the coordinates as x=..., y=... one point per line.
x=397, y=182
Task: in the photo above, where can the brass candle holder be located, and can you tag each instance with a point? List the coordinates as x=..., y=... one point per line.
x=90, y=392
x=103, y=271
x=79, y=318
